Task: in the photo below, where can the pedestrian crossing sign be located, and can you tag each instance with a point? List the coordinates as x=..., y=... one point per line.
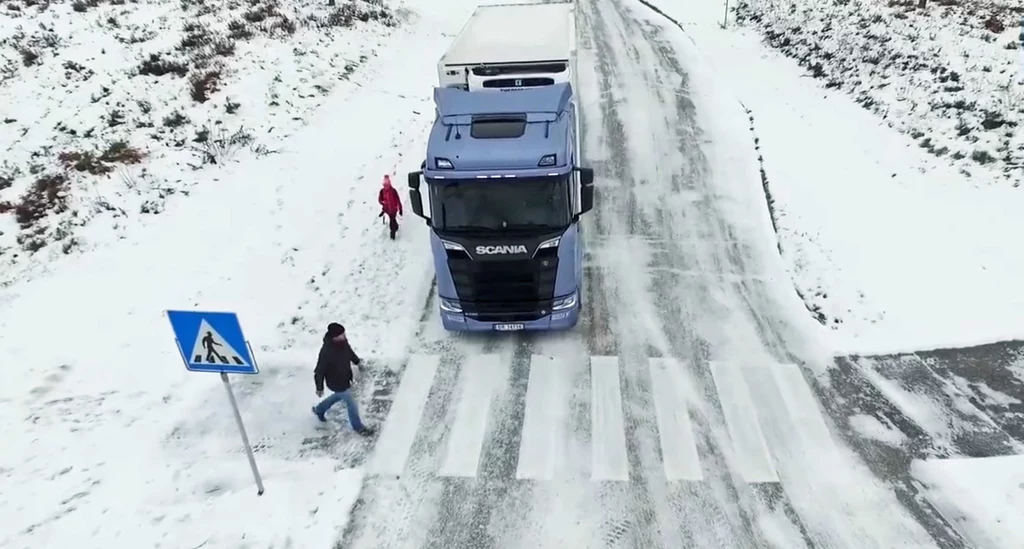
x=212, y=342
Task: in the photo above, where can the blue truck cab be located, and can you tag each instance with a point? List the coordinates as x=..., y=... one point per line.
x=504, y=195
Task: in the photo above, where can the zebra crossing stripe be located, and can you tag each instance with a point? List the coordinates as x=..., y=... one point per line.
x=392, y=449
x=806, y=416
x=678, y=446
x=546, y=417
x=749, y=451
x=608, y=435
x=479, y=377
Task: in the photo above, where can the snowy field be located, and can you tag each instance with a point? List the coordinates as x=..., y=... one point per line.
x=107, y=437
x=948, y=75
x=111, y=108
x=892, y=247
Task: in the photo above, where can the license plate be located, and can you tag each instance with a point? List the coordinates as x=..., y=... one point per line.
x=508, y=327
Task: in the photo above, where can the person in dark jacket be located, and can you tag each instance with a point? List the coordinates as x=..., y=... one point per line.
x=334, y=367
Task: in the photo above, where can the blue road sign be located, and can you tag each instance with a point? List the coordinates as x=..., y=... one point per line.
x=212, y=342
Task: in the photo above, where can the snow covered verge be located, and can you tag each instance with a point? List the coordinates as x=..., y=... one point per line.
x=888, y=245
x=109, y=442
x=108, y=108
x=948, y=74
x=982, y=497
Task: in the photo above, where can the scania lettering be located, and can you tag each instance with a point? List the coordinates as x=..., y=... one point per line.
x=505, y=192
x=487, y=250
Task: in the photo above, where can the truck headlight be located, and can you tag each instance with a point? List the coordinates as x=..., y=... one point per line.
x=553, y=243
x=567, y=302
x=453, y=246
x=450, y=305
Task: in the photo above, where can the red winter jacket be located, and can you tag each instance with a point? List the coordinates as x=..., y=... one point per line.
x=389, y=201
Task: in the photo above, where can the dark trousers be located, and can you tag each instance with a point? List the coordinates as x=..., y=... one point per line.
x=393, y=225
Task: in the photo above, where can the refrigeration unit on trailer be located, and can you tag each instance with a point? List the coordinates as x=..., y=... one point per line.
x=512, y=46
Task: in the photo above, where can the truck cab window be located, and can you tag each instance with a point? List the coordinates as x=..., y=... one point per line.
x=533, y=205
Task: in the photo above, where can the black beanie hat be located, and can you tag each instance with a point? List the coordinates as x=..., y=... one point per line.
x=334, y=329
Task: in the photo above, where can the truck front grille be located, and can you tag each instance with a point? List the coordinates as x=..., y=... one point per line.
x=505, y=291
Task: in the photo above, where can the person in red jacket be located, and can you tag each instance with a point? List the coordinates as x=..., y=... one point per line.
x=390, y=204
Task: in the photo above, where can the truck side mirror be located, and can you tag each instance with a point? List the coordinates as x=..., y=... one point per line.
x=414, y=195
x=587, y=195
x=586, y=176
x=586, y=189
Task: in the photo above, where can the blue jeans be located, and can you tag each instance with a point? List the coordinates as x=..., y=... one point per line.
x=350, y=404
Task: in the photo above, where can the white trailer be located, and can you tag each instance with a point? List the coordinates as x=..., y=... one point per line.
x=512, y=46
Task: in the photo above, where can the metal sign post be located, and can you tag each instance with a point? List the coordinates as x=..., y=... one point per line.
x=245, y=437
x=725, y=17
x=217, y=344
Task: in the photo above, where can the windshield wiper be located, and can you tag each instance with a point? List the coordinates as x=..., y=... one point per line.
x=533, y=226
x=471, y=228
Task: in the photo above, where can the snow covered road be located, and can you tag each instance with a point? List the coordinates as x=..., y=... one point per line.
x=691, y=408
x=675, y=416
x=928, y=421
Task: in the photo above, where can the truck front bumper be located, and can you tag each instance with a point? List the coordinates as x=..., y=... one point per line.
x=560, y=320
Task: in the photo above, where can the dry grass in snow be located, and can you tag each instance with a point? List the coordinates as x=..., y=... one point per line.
x=110, y=107
x=949, y=74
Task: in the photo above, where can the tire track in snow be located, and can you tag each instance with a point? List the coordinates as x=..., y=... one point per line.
x=597, y=292
x=470, y=507
x=419, y=508
x=772, y=330
x=628, y=518
x=723, y=253
x=397, y=511
x=402, y=511
x=752, y=292
x=700, y=514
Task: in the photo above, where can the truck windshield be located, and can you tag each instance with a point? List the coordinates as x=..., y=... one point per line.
x=528, y=203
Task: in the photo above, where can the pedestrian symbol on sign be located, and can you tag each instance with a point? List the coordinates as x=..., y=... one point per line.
x=205, y=349
x=209, y=342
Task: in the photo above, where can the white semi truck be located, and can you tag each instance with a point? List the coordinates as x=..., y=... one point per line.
x=512, y=46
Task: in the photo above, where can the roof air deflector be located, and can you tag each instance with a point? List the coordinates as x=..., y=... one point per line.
x=498, y=126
